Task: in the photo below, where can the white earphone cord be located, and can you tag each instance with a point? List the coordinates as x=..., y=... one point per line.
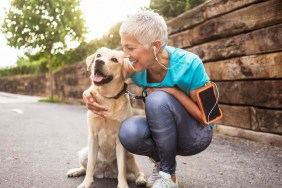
x=164, y=65
x=156, y=58
x=216, y=102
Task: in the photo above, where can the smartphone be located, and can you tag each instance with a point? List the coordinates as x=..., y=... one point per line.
x=208, y=104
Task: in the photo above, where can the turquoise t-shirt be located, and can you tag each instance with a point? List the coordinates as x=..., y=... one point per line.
x=186, y=71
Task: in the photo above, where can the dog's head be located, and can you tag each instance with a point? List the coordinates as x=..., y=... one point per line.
x=107, y=65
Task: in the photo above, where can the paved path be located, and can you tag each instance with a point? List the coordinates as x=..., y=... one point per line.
x=39, y=143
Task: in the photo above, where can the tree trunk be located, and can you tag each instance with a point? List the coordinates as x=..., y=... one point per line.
x=51, y=76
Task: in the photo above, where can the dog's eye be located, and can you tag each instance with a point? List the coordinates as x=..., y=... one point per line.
x=98, y=55
x=114, y=60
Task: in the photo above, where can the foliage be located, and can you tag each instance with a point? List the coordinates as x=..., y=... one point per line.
x=173, y=8
x=51, y=100
x=109, y=40
x=112, y=38
x=25, y=66
x=44, y=27
x=194, y=3
x=168, y=8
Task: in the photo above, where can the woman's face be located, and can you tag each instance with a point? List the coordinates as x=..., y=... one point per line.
x=140, y=56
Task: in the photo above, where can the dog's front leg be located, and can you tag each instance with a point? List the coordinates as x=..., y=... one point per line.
x=92, y=157
x=121, y=162
x=131, y=163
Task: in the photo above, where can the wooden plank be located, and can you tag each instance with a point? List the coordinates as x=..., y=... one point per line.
x=256, y=42
x=187, y=19
x=243, y=20
x=203, y=12
x=252, y=118
x=259, y=93
x=181, y=40
x=263, y=66
x=236, y=116
x=219, y=7
x=269, y=121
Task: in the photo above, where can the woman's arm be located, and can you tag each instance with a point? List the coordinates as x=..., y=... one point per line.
x=189, y=102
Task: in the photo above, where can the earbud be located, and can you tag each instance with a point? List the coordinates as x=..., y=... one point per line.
x=155, y=51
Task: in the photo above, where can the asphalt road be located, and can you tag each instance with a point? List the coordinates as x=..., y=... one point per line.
x=39, y=144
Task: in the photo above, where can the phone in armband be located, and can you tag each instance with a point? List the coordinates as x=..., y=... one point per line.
x=207, y=100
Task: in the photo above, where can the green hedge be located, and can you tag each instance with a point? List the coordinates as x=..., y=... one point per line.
x=24, y=69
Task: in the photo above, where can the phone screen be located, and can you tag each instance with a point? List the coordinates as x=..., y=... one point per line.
x=208, y=101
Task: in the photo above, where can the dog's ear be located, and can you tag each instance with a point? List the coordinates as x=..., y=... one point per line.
x=89, y=61
x=127, y=68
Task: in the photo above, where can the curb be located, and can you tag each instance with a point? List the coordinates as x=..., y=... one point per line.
x=265, y=138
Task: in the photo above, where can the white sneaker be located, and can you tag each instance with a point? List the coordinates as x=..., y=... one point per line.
x=155, y=175
x=166, y=181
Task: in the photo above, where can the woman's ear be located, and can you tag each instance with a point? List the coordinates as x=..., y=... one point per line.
x=157, y=46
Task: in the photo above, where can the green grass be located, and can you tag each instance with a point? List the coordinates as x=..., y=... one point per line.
x=49, y=100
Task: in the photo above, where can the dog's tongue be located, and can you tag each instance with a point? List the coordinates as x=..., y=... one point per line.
x=98, y=77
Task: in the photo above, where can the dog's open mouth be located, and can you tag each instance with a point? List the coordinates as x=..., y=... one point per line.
x=99, y=78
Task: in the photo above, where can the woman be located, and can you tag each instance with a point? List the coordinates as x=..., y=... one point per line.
x=171, y=76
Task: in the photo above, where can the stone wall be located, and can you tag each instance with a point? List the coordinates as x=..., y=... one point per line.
x=26, y=85
x=69, y=83
x=240, y=43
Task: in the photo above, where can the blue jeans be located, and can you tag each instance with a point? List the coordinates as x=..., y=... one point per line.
x=166, y=131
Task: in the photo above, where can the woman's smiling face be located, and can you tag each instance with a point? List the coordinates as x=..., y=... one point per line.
x=140, y=57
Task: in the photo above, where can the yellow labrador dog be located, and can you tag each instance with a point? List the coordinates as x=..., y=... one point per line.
x=105, y=157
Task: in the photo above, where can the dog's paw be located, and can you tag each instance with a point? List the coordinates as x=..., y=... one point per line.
x=122, y=185
x=140, y=180
x=75, y=172
x=86, y=184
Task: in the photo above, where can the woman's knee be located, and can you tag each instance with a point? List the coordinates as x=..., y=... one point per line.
x=157, y=100
x=132, y=132
x=197, y=146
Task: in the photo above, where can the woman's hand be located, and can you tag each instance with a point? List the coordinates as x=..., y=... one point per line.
x=92, y=105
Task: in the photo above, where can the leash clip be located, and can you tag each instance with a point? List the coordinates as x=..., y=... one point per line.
x=133, y=96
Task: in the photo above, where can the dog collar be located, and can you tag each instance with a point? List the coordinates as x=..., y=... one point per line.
x=124, y=90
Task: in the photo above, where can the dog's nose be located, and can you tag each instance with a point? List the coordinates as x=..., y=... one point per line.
x=99, y=62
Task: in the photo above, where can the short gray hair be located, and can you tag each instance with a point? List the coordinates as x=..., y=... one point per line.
x=146, y=26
